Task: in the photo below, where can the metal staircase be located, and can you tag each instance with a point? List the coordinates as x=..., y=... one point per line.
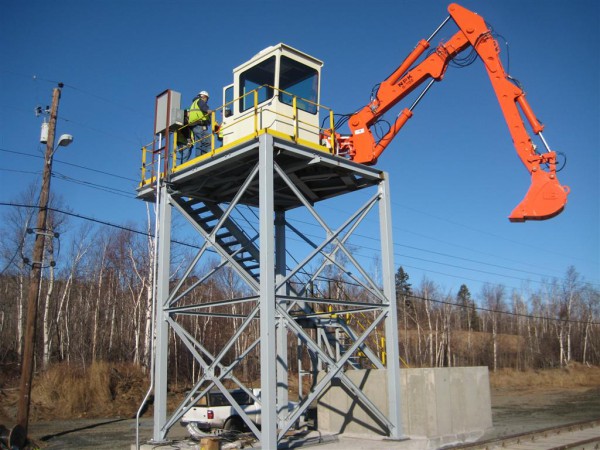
x=229, y=237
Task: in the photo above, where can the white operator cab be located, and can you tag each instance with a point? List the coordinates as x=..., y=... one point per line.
x=263, y=94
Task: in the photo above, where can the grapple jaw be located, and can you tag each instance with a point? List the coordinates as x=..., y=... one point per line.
x=546, y=198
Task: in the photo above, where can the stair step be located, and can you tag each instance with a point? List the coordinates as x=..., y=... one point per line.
x=231, y=238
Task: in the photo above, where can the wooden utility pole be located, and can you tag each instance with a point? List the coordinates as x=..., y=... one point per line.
x=28, y=361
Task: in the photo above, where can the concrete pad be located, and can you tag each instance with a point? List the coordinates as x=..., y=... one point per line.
x=440, y=406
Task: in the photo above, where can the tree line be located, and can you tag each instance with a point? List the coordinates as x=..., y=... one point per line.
x=95, y=305
x=552, y=326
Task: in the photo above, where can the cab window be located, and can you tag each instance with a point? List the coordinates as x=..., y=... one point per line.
x=228, y=101
x=260, y=77
x=298, y=80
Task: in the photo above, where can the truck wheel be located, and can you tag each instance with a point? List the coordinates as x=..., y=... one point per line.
x=234, y=423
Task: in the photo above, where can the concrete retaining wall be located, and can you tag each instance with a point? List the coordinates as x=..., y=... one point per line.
x=439, y=405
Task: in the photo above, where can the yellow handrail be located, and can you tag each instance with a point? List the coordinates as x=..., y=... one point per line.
x=144, y=156
x=332, y=127
x=295, y=117
x=296, y=122
x=256, y=111
x=213, y=120
x=175, y=149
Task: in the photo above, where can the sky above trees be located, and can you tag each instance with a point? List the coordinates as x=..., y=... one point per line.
x=453, y=171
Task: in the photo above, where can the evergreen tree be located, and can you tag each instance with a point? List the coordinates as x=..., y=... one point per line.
x=468, y=313
x=403, y=287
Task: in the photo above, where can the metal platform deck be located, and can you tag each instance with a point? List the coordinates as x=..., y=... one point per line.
x=319, y=175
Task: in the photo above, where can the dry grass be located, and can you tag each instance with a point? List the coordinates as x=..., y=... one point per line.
x=100, y=390
x=104, y=390
x=64, y=391
x=574, y=376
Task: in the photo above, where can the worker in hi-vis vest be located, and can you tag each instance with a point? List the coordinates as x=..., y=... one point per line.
x=199, y=121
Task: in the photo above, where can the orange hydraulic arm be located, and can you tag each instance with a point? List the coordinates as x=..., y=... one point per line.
x=546, y=198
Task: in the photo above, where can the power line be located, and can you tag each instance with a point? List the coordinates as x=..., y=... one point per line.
x=398, y=255
x=27, y=172
x=484, y=232
x=69, y=164
x=75, y=88
x=108, y=189
x=439, y=254
x=126, y=194
x=444, y=302
x=508, y=313
x=97, y=130
x=114, y=191
x=460, y=246
x=98, y=221
x=467, y=248
x=17, y=251
x=104, y=99
x=89, y=184
x=403, y=256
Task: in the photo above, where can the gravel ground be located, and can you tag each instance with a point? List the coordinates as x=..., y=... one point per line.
x=518, y=413
x=513, y=412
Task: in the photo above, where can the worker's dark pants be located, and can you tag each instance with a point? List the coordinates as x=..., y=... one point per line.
x=184, y=155
x=202, y=138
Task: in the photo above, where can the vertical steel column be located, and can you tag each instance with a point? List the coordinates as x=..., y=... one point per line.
x=391, y=320
x=268, y=375
x=282, y=349
x=162, y=327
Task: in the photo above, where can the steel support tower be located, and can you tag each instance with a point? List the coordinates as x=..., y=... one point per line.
x=271, y=177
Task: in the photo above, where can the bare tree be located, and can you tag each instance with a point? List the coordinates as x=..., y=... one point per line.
x=427, y=292
x=79, y=248
x=493, y=297
x=14, y=249
x=570, y=297
x=591, y=312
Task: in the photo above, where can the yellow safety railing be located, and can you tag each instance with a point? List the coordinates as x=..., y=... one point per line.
x=179, y=145
x=148, y=169
x=351, y=318
x=144, y=158
x=255, y=111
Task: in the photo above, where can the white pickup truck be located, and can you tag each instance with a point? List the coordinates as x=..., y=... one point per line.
x=214, y=411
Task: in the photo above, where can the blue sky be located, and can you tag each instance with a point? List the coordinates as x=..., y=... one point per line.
x=454, y=173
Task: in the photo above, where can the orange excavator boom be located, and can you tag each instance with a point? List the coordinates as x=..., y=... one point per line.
x=545, y=198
